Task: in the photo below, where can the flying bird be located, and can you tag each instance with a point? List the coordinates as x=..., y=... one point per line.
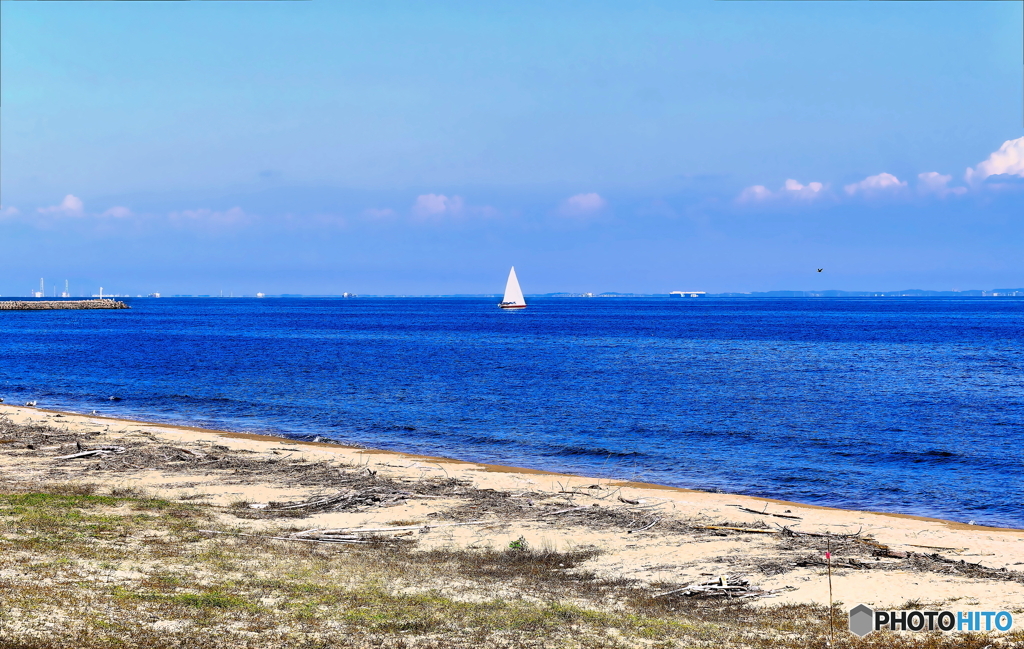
x=820, y=269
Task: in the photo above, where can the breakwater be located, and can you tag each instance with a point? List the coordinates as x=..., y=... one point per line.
x=44, y=305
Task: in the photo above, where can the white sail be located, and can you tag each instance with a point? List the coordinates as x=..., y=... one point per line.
x=513, y=294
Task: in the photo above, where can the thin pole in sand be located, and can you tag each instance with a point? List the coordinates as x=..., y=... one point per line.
x=831, y=616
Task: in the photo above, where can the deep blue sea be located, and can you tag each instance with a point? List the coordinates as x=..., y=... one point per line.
x=903, y=405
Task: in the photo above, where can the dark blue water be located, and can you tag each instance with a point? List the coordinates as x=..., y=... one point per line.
x=903, y=405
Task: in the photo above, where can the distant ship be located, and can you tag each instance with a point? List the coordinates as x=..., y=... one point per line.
x=513, y=294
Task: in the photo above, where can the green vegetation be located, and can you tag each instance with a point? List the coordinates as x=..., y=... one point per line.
x=86, y=570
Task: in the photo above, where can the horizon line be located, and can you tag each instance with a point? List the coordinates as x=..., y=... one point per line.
x=783, y=293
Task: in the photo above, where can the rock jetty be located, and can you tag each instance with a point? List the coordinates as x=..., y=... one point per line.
x=43, y=305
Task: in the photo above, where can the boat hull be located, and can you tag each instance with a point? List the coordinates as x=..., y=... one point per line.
x=511, y=306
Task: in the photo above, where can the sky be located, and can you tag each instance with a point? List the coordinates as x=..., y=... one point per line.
x=424, y=148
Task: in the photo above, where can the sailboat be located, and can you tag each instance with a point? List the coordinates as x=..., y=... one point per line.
x=513, y=294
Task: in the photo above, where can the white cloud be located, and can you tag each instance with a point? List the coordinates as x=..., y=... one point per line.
x=754, y=193
x=790, y=189
x=429, y=205
x=883, y=182
x=379, y=213
x=932, y=182
x=118, y=212
x=582, y=204
x=204, y=216
x=10, y=210
x=71, y=206
x=1009, y=160
x=810, y=190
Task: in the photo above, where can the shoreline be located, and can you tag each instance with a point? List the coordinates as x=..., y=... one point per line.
x=691, y=533
x=503, y=468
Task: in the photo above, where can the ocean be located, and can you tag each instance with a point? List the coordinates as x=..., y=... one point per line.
x=908, y=405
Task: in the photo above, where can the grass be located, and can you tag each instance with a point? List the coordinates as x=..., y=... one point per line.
x=87, y=570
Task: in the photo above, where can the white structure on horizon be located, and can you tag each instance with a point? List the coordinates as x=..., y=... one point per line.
x=41, y=292
x=686, y=294
x=260, y=295
x=67, y=291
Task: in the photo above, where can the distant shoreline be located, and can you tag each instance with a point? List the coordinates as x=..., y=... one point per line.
x=910, y=293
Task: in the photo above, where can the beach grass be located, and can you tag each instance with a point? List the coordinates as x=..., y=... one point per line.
x=81, y=567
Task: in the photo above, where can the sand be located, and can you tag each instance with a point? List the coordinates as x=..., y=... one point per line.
x=891, y=560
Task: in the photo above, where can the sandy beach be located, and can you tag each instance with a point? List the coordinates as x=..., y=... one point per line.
x=646, y=533
x=134, y=534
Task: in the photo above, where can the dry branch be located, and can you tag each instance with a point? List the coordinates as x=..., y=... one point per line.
x=765, y=513
x=826, y=535
x=289, y=538
x=403, y=528
x=563, y=511
x=737, y=529
x=731, y=588
x=646, y=527
x=105, y=450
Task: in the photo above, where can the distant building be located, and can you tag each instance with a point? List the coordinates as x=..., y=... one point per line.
x=686, y=294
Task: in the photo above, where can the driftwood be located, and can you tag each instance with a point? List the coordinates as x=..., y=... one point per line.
x=886, y=551
x=725, y=587
x=751, y=530
x=646, y=527
x=376, y=530
x=639, y=508
x=628, y=501
x=317, y=504
x=937, y=547
x=564, y=511
x=880, y=549
x=337, y=539
x=377, y=495
x=835, y=563
x=188, y=451
x=827, y=535
x=765, y=513
x=103, y=450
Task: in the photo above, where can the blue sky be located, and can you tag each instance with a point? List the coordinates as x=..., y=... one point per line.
x=321, y=147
